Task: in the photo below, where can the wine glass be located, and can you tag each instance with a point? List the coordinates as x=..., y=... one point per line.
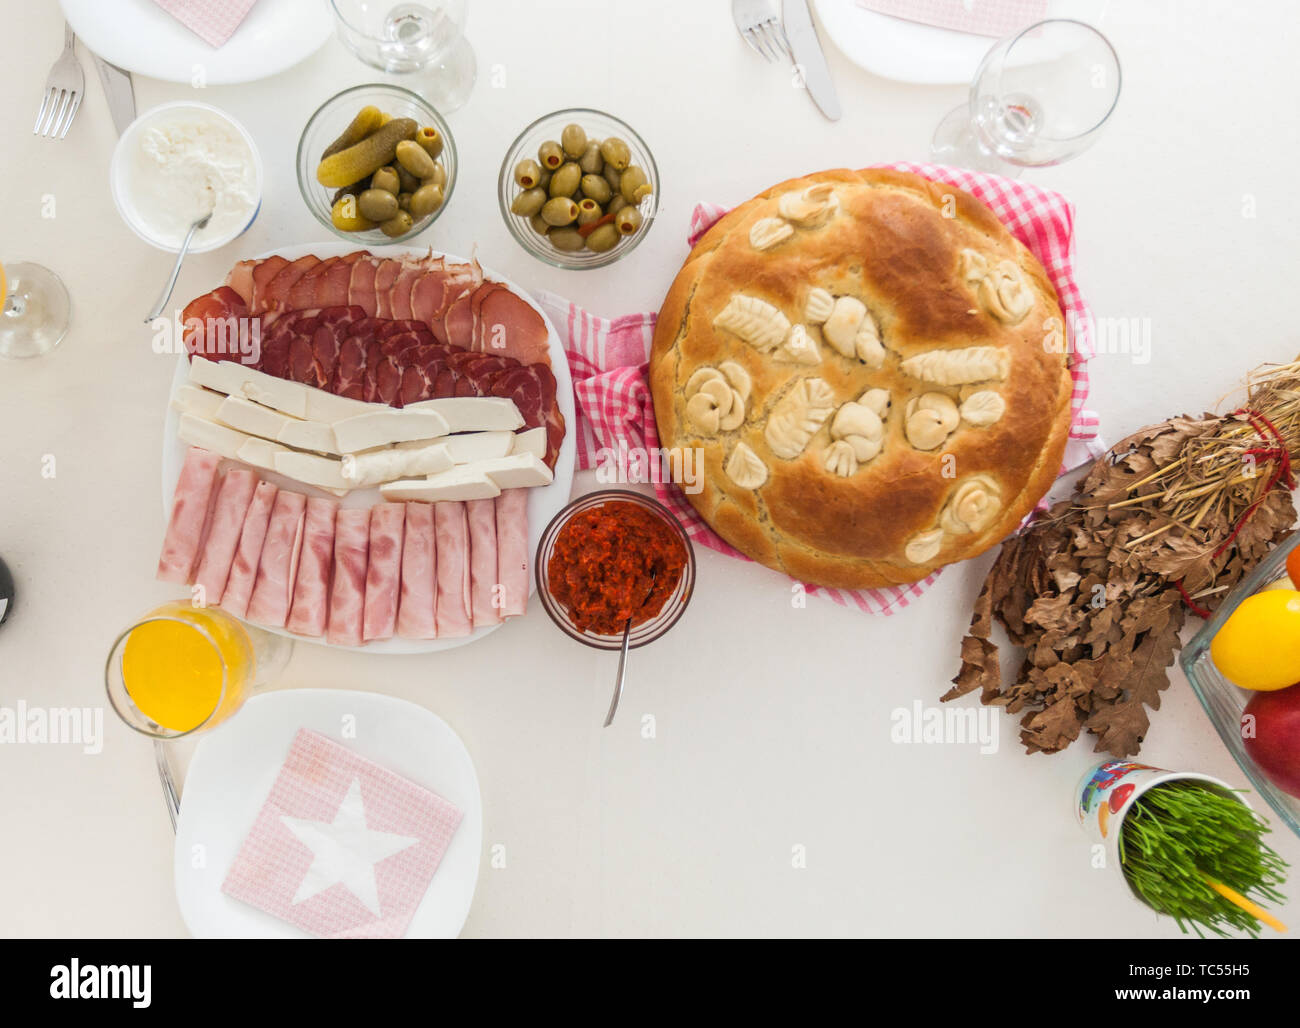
x=1039, y=98
x=35, y=311
x=423, y=42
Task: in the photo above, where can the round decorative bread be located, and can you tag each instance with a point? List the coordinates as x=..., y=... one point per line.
x=871, y=372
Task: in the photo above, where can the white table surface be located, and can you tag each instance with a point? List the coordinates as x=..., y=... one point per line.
x=771, y=723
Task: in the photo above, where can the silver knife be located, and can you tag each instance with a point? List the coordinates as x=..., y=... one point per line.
x=118, y=91
x=808, y=56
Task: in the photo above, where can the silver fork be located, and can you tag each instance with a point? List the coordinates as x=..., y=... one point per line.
x=760, y=26
x=63, y=91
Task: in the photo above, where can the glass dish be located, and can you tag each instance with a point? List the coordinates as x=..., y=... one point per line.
x=329, y=121
x=597, y=125
x=1223, y=701
x=644, y=633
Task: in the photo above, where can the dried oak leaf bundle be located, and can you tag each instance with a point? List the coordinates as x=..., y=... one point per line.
x=1095, y=591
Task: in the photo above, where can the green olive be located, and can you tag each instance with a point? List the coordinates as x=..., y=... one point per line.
x=538, y=224
x=377, y=204
x=559, y=210
x=529, y=202
x=409, y=183
x=527, y=173
x=565, y=180
x=591, y=162
x=426, y=200
x=616, y=204
x=567, y=239
x=604, y=238
x=634, y=184
x=616, y=152
x=588, y=211
x=550, y=154
x=414, y=158
x=545, y=180
x=597, y=188
x=574, y=140
x=430, y=139
x=612, y=175
x=438, y=178
x=386, y=179
x=628, y=220
x=404, y=201
x=400, y=224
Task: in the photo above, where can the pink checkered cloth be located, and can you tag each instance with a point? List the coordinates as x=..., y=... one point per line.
x=609, y=361
x=213, y=21
x=981, y=17
x=342, y=848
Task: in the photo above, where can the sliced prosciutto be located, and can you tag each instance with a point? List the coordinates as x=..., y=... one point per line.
x=278, y=566
x=416, y=618
x=508, y=325
x=309, y=612
x=452, y=532
x=384, y=572
x=348, y=590
x=214, y=323
x=243, y=570
x=190, y=504
x=227, y=523
x=512, y=550
x=481, y=516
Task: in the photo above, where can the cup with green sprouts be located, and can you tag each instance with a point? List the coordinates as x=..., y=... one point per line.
x=1188, y=845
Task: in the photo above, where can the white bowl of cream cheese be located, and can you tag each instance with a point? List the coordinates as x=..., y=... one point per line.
x=177, y=161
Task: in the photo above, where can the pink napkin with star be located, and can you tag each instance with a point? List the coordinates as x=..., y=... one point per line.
x=213, y=21
x=609, y=361
x=342, y=848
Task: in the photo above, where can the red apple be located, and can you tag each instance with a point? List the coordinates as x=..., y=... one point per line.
x=1275, y=745
x=1118, y=797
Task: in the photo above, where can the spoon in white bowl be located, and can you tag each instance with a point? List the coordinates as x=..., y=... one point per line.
x=622, y=657
x=176, y=268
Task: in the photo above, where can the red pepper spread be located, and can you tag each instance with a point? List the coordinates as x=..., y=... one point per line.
x=602, y=563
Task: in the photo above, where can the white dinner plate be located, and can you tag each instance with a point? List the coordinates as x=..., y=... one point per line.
x=544, y=502
x=908, y=51
x=235, y=766
x=141, y=37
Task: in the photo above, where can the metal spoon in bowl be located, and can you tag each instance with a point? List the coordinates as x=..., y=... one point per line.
x=622, y=656
x=176, y=269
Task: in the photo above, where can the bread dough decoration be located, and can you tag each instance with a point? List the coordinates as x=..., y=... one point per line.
x=797, y=417
x=963, y=366
x=811, y=207
x=745, y=467
x=857, y=433
x=1001, y=289
x=757, y=322
x=983, y=408
x=972, y=506
x=853, y=332
x=929, y=419
x=818, y=307
x=800, y=347
x=715, y=398
x=769, y=232
x=924, y=546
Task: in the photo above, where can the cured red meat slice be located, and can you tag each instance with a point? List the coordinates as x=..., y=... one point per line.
x=240, y=280
x=384, y=570
x=191, y=504
x=277, y=569
x=233, y=500
x=507, y=324
x=348, y=590
x=303, y=293
x=427, y=294
x=387, y=274
x=279, y=290
x=482, y=519
x=532, y=388
x=512, y=550
x=466, y=387
x=416, y=609
x=413, y=387
x=248, y=554
x=332, y=286
x=458, y=323
x=350, y=375
x=400, y=301
x=213, y=322
x=445, y=384
x=452, y=532
x=361, y=285
x=309, y=613
x=263, y=274
x=387, y=381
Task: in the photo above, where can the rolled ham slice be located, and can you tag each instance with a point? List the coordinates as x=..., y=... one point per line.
x=416, y=617
x=278, y=567
x=243, y=571
x=227, y=524
x=190, y=504
x=512, y=550
x=384, y=571
x=451, y=529
x=482, y=518
x=348, y=590
x=309, y=613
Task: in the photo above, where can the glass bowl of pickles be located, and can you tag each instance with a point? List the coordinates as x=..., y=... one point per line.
x=376, y=164
x=578, y=189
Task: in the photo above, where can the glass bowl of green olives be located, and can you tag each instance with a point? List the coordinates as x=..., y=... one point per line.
x=396, y=154
x=578, y=189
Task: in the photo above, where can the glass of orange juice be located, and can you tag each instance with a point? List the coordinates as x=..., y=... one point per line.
x=181, y=669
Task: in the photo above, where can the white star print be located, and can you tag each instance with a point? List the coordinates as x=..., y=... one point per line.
x=345, y=851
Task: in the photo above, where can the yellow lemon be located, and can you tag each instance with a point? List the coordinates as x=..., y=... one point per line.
x=1258, y=647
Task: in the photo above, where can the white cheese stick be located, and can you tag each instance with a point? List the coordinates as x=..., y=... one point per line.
x=533, y=441
x=518, y=471
x=476, y=446
x=252, y=418
x=292, y=398
x=208, y=434
x=309, y=435
x=259, y=452
x=474, y=413
x=313, y=469
x=203, y=403
x=382, y=427
x=388, y=464
x=463, y=483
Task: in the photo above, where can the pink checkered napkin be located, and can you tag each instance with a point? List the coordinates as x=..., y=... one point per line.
x=213, y=21
x=609, y=360
x=342, y=847
x=980, y=17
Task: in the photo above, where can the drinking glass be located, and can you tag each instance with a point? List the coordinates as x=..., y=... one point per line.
x=182, y=669
x=422, y=42
x=1039, y=98
x=34, y=310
